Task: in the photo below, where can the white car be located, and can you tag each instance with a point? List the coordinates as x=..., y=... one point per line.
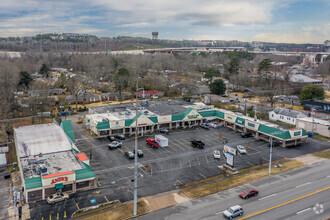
x=241, y=149
x=216, y=154
x=233, y=212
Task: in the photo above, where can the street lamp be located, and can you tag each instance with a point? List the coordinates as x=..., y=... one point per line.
x=136, y=145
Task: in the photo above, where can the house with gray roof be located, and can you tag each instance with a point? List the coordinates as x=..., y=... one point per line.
x=286, y=115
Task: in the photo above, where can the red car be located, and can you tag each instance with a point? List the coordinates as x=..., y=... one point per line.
x=152, y=142
x=248, y=193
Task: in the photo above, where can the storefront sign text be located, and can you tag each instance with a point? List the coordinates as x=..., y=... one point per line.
x=192, y=116
x=251, y=125
x=59, y=179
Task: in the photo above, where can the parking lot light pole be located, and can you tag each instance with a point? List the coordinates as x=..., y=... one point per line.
x=270, y=155
x=135, y=148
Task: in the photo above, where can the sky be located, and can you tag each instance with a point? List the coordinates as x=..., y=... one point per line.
x=287, y=21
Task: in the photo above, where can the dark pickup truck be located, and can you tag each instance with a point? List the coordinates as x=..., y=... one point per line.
x=198, y=144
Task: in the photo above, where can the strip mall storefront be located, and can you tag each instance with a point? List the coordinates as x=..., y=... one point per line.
x=61, y=182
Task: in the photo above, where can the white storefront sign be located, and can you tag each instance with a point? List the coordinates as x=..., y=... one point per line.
x=229, y=149
x=164, y=119
x=53, y=179
x=143, y=121
x=117, y=124
x=230, y=118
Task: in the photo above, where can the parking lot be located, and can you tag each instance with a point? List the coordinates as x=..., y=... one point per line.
x=163, y=169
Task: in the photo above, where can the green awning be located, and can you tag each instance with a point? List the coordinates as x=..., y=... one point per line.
x=59, y=186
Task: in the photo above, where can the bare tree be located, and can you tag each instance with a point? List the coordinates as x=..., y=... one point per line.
x=9, y=77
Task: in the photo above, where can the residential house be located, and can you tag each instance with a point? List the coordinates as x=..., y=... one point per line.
x=286, y=115
x=149, y=93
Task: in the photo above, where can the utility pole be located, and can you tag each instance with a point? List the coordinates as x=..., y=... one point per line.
x=270, y=155
x=255, y=112
x=90, y=146
x=313, y=120
x=135, y=147
x=245, y=108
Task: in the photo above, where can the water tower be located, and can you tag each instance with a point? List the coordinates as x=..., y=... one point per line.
x=154, y=35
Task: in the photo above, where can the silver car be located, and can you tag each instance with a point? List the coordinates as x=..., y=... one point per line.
x=233, y=212
x=114, y=145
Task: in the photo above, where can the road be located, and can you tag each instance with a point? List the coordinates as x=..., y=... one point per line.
x=297, y=194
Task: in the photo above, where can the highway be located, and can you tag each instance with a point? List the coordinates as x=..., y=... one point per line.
x=303, y=193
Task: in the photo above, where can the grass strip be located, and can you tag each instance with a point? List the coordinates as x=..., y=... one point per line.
x=210, y=188
x=123, y=211
x=324, y=154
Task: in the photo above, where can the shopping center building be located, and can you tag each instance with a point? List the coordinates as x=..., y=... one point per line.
x=110, y=120
x=50, y=162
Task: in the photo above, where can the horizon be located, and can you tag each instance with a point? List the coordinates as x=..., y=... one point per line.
x=278, y=21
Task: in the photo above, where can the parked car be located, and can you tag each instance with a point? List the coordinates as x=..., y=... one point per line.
x=120, y=136
x=241, y=149
x=247, y=193
x=165, y=131
x=276, y=143
x=114, y=145
x=139, y=153
x=204, y=125
x=57, y=197
x=198, y=144
x=246, y=134
x=129, y=154
x=152, y=142
x=216, y=154
x=233, y=211
x=111, y=138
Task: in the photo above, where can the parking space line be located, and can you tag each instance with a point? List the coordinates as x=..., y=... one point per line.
x=130, y=191
x=206, y=159
x=171, y=166
x=77, y=206
x=161, y=168
x=145, y=148
x=177, y=145
x=121, y=187
x=250, y=163
x=183, y=144
x=106, y=198
x=178, y=181
x=202, y=175
x=165, y=149
x=172, y=148
x=189, y=163
x=186, y=141
x=146, y=172
x=180, y=164
x=199, y=163
x=265, y=159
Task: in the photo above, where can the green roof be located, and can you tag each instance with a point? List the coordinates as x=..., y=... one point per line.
x=67, y=128
x=129, y=122
x=103, y=125
x=274, y=132
x=303, y=133
x=240, y=121
x=32, y=183
x=85, y=173
x=220, y=114
x=154, y=119
x=210, y=113
x=181, y=116
x=178, y=117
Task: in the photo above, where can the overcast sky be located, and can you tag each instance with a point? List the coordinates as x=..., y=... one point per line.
x=304, y=21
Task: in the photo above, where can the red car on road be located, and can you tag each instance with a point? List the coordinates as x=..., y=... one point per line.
x=152, y=142
x=247, y=193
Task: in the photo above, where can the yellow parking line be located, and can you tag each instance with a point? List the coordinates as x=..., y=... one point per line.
x=176, y=145
x=186, y=141
x=182, y=143
x=121, y=187
x=202, y=175
x=165, y=149
x=106, y=198
x=172, y=148
x=146, y=172
x=265, y=159
x=250, y=163
x=77, y=206
x=148, y=150
x=285, y=203
x=130, y=191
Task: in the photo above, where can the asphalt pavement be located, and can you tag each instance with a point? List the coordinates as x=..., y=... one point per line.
x=301, y=194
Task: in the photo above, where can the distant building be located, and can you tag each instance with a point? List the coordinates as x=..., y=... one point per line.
x=286, y=115
x=319, y=126
x=317, y=106
x=326, y=43
x=150, y=93
x=300, y=78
